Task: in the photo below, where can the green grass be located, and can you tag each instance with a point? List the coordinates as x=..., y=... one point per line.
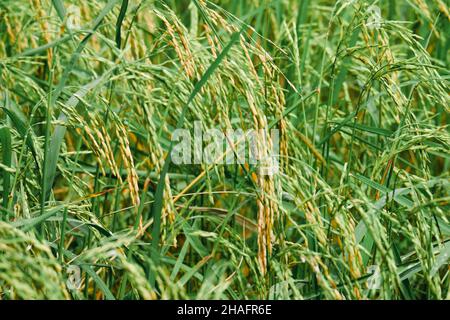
x=89, y=103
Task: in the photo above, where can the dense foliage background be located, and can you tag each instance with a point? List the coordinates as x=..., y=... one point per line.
x=91, y=92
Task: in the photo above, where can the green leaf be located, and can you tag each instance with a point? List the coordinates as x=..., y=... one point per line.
x=28, y=224
x=442, y=258
x=5, y=141
x=375, y=130
x=123, y=11
x=337, y=127
x=24, y=130
x=397, y=197
x=60, y=130
x=43, y=48
x=75, y=56
x=60, y=10
x=158, y=204
x=180, y=260
x=86, y=268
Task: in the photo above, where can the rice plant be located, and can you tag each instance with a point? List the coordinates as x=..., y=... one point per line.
x=93, y=205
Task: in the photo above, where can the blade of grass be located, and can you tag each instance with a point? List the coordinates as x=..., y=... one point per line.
x=158, y=204
x=24, y=130
x=60, y=10
x=5, y=141
x=58, y=135
x=123, y=11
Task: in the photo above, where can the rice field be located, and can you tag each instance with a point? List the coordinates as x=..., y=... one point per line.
x=99, y=200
